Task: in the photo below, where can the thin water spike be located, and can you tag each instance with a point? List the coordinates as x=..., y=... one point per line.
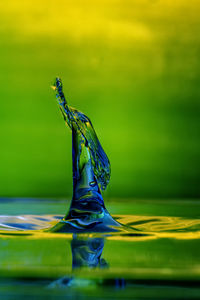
x=91, y=173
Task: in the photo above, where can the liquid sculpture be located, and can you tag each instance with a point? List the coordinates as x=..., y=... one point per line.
x=91, y=174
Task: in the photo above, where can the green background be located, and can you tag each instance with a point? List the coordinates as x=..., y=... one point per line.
x=132, y=66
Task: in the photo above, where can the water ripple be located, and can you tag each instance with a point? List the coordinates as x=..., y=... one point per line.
x=143, y=227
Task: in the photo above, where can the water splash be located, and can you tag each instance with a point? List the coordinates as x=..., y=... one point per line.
x=84, y=131
x=91, y=173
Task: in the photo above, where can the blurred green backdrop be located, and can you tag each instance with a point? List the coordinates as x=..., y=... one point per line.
x=132, y=66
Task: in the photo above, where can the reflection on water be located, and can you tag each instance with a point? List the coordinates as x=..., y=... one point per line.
x=134, y=227
x=86, y=253
x=149, y=250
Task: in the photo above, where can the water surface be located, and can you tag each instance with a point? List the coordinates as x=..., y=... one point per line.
x=150, y=257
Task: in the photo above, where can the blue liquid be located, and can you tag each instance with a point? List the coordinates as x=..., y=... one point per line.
x=91, y=173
